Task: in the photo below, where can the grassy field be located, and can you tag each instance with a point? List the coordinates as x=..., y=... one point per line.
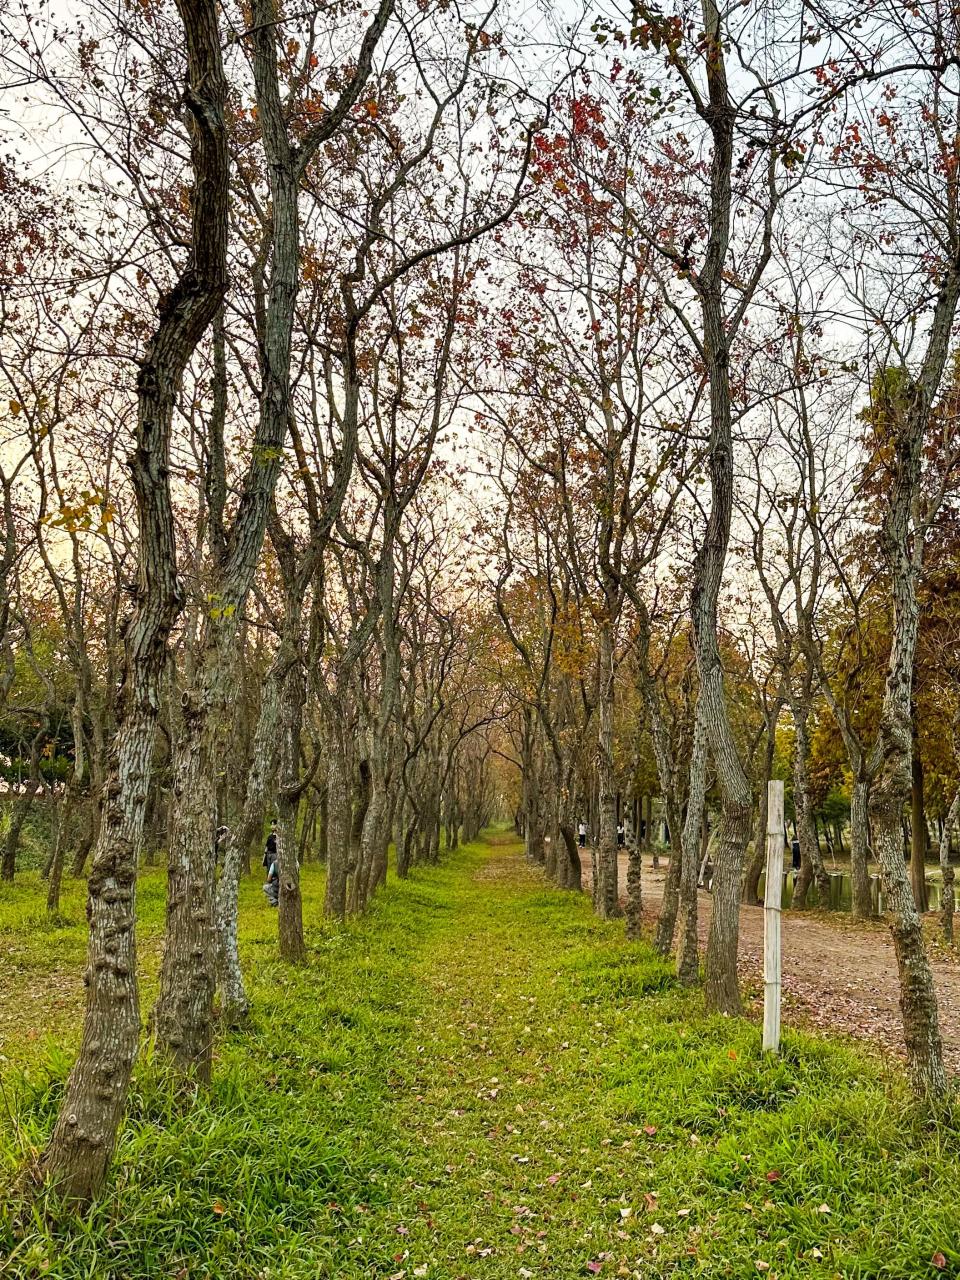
x=480, y=1081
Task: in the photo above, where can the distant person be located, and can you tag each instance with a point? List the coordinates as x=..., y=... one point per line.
x=795, y=856
x=582, y=835
x=270, y=849
x=621, y=835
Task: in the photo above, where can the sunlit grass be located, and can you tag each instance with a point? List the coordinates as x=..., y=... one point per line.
x=482, y=1080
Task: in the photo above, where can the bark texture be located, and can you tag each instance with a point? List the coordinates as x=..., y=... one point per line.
x=85, y=1133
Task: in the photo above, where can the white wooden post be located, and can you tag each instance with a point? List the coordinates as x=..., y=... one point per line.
x=771, y=918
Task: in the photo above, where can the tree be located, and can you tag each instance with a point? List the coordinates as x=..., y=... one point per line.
x=82, y=1141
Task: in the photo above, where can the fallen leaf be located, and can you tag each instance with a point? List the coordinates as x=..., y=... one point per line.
x=594, y=1267
x=649, y=1130
x=824, y=1208
x=938, y=1260
x=773, y=1175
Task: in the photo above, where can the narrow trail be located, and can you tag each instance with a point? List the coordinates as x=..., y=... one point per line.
x=838, y=976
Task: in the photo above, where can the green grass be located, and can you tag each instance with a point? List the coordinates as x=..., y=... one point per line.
x=479, y=1081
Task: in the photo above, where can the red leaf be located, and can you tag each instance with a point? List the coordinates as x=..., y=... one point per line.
x=773, y=1175
x=938, y=1260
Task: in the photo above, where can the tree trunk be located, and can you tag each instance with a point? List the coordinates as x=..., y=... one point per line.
x=404, y=837
x=234, y=1004
x=85, y=1133
x=21, y=811
x=574, y=871
x=264, y=760
x=812, y=870
x=669, y=904
x=906, y=411
x=688, y=959
x=722, y=989
x=947, y=903
x=183, y=1015
x=89, y=838
x=646, y=817
x=758, y=860
x=293, y=695
x=918, y=834
x=59, y=853
x=338, y=827
x=608, y=889
x=861, y=897
x=634, y=910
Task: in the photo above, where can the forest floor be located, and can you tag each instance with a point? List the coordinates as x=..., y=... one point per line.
x=838, y=976
x=478, y=1081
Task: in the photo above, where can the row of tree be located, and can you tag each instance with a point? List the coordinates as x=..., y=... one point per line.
x=410, y=415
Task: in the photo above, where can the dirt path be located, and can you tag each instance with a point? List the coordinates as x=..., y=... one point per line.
x=837, y=976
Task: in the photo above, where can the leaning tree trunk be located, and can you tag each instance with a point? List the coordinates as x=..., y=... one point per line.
x=906, y=411
x=85, y=1133
x=184, y=1011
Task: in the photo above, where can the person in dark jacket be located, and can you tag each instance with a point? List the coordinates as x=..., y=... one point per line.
x=270, y=849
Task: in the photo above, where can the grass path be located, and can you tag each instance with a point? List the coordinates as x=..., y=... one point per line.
x=480, y=1082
